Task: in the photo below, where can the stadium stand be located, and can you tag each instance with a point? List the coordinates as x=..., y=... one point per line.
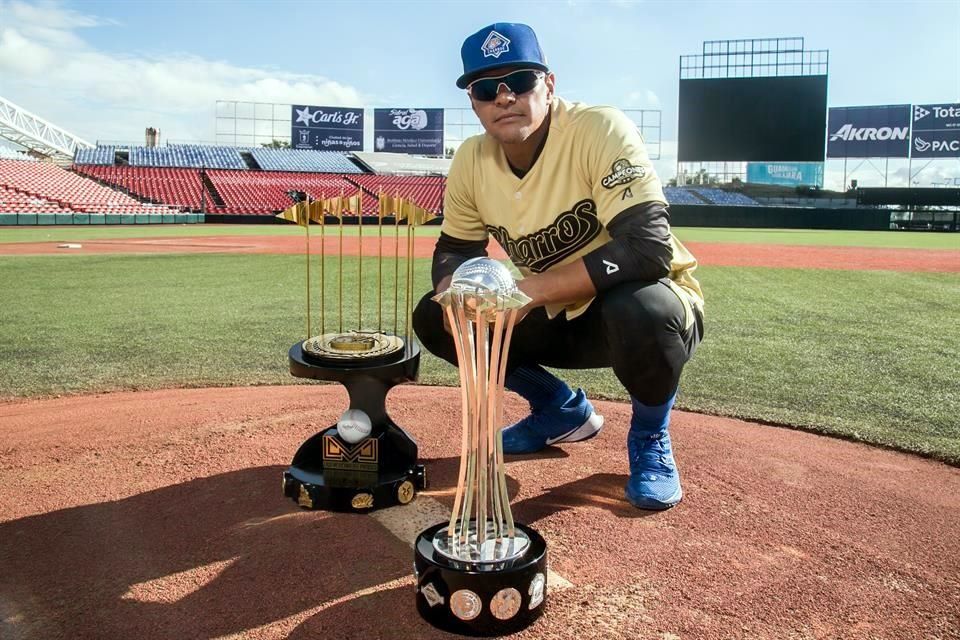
x=384, y=163
x=12, y=154
x=263, y=192
x=178, y=187
x=679, y=195
x=15, y=202
x=79, y=194
x=426, y=191
x=719, y=196
x=97, y=156
x=303, y=160
x=187, y=156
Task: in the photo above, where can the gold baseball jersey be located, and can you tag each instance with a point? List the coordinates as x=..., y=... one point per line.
x=592, y=167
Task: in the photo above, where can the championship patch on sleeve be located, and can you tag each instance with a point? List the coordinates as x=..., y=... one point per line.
x=623, y=173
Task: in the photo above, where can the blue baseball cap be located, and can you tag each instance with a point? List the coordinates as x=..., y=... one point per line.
x=504, y=44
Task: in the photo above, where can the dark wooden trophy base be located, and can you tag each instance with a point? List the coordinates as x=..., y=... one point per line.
x=379, y=471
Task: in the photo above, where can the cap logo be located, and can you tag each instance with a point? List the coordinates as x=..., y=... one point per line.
x=494, y=45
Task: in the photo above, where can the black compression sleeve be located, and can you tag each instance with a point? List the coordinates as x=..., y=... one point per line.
x=451, y=252
x=639, y=249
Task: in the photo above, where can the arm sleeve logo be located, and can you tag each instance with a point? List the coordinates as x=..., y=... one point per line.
x=622, y=173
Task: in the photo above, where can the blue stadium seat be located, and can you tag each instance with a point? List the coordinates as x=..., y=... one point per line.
x=104, y=155
x=304, y=160
x=718, y=196
x=187, y=156
x=679, y=195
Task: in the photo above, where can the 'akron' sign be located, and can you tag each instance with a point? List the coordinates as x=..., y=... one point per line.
x=326, y=128
x=406, y=130
x=869, y=132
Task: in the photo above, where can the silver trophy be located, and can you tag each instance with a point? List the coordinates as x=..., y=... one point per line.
x=481, y=573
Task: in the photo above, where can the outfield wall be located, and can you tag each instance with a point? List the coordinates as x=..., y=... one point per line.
x=93, y=219
x=685, y=215
x=681, y=215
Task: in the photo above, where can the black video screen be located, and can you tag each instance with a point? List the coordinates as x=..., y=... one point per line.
x=753, y=119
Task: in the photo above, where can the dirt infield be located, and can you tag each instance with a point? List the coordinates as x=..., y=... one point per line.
x=713, y=253
x=159, y=515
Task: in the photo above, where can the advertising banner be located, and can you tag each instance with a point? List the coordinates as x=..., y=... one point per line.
x=869, y=132
x=792, y=174
x=936, y=131
x=414, y=131
x=326, y=128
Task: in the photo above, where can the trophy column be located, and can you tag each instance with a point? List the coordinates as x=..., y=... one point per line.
x=481, y=573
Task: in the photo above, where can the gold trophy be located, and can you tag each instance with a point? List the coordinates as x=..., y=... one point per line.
x=481, y=573
x=365, y=461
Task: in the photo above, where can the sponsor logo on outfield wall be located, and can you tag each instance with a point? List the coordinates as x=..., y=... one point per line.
x=326, y=128
x=408, y=130
x=869, y=132
x=936, y=131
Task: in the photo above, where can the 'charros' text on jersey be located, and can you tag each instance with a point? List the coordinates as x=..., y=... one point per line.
x=570, y=232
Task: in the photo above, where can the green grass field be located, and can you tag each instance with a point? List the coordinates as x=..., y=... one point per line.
x=81, y=233
x=866, y=355
x=883, y=239
x=875, y=239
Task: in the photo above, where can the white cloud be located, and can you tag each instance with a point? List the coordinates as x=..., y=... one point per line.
x=642, y=98
x=50, y=70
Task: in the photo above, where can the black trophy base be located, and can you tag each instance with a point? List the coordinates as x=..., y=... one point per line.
x=379, y=470
x=330, y=490
x=480, y=600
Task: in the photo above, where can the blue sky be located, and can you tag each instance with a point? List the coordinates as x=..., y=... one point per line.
x=105, y=70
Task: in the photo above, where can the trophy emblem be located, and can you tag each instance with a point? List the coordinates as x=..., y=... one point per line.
x=365, y=461
x=481, y=573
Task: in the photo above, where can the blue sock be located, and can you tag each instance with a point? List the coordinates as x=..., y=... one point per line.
x=651, y=420
x=537, y=386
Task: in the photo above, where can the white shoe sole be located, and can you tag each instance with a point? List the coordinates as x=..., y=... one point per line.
x=587, y=430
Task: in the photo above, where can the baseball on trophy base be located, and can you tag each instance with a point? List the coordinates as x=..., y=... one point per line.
x=365, y=461
x=481, y=573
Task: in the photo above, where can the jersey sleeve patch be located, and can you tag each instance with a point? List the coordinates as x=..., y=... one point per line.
x=623, y=173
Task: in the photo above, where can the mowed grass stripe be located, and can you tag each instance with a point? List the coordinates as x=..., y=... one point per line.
x=826, y=237
x=89, y=233
x=868, y=355
x=879, y=239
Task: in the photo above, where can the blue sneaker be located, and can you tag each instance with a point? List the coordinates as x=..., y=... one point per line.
x=654, y=480
x=573, y=420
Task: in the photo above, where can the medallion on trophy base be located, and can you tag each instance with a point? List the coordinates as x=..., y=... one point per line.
x=365, y=461
x=481, y=573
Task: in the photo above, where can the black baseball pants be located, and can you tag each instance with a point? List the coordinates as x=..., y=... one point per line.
x=640, y=329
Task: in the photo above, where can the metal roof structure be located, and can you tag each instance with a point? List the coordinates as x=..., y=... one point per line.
x=36, y=134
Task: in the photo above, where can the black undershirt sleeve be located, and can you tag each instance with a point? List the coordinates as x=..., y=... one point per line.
x=639, y=248
x=451, y=252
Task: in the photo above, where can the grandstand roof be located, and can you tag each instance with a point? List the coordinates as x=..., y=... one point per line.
x=33, y=132
x=399, y=163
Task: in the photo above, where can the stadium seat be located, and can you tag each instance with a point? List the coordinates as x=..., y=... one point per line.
x=267, y=192
x=187, y=156
x=679, y=195
x=304, y=160
x=719, y=196
x=179, y=187
x=426, y=191
x=104, y=155
x=69, y=190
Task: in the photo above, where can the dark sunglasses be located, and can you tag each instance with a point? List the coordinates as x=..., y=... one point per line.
x=518, y=82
